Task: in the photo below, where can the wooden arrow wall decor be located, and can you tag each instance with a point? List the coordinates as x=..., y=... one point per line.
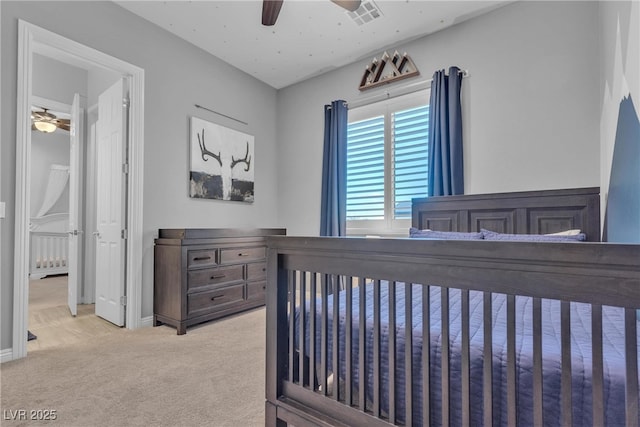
x=388, y=69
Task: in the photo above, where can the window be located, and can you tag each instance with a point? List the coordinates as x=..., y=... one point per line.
x=387, y=159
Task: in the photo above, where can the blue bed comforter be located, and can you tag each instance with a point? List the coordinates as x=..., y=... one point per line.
x=614, y=393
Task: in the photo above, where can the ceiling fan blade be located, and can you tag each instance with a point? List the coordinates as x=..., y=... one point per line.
x=270, y=11
x=64, y=124
x=42, y=115
x=350, y=5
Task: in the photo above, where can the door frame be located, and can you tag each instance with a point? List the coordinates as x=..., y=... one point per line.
x=33, y=39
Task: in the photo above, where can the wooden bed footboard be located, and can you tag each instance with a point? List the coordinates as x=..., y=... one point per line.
x=418, y=332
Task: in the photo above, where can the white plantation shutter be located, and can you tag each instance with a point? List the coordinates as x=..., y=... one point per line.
x=410, y=162
x=387, y=161
x=365, y=169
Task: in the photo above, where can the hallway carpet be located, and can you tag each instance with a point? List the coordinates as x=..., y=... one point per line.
x=51, y=321
x=212, y=376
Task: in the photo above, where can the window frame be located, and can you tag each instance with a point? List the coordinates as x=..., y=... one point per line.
x=387, y=226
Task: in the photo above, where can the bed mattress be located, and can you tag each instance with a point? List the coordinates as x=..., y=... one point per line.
x=614, y=364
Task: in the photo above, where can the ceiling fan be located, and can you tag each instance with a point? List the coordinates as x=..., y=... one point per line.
x=44, y=121
x=271, y=9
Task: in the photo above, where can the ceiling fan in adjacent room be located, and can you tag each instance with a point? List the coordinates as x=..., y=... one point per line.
x=46, y=122
x=271, y=9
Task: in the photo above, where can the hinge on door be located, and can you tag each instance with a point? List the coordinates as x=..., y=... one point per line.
x=125, y=102
x=123, y=233
x=123, y=300
x=125, y=168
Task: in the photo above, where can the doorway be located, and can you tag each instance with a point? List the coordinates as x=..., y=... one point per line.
x=51, y=318
x=62, y=194
x=35, y=40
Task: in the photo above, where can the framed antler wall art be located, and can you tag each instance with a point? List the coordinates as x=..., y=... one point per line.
x=222, y=162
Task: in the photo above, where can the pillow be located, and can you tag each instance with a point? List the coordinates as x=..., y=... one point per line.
x=443, y=235
x=492, y=235
x=574, y=232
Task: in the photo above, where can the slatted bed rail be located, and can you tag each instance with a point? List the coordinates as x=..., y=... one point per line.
x=49, y=254
x=467, y=296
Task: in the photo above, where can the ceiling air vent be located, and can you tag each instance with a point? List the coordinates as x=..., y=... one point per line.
x=367, y=12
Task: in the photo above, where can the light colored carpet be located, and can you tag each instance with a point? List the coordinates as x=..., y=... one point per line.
x=51, y=321
x=212, y=376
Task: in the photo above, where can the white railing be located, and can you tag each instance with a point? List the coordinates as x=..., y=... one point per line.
x=49, y=254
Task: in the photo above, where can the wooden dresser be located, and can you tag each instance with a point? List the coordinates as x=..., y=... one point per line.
x=207, y=273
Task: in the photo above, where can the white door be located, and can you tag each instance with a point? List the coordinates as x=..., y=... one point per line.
x=110, y=204
x=75, y=214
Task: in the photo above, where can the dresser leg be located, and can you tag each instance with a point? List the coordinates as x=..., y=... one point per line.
x=182, y=328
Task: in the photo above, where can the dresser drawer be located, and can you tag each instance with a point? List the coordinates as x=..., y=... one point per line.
x=256, y=271
x=256, y=290
x=201, y=258
x=216, y=299
x=213, y=276
x=232, y=255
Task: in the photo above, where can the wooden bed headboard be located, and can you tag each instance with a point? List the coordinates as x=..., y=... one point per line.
x=526, y=212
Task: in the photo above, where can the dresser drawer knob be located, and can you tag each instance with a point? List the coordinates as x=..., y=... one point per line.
x=218, y=276
x=202, y=258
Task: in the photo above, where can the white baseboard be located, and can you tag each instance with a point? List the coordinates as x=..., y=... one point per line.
x=146, y=322
x=6, y=355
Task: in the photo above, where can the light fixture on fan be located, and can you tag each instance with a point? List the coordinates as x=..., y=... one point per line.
x=46, y=122
x=46, y=127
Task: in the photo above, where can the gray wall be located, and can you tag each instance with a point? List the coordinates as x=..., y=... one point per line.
x=530, y=105
x=54, y=81
x=57, y=81
x=176, y=77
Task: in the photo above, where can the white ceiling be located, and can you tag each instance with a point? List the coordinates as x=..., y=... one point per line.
x=310, y=37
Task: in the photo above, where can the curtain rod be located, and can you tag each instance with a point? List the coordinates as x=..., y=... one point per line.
x=397, y=91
